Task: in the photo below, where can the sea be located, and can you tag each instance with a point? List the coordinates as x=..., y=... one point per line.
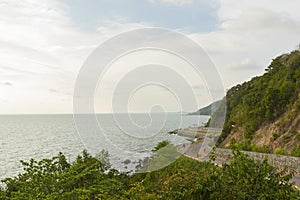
x=127, y=137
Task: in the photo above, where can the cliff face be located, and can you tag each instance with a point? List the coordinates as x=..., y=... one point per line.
x=265, y=112
x=283, y=133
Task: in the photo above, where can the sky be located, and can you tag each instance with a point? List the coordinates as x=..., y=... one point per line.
x=44, y=43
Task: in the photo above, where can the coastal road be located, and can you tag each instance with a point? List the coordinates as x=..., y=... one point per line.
x=192, y=151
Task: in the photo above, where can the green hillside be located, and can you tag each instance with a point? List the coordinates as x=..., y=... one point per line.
x=263, y=113
x=207, y=110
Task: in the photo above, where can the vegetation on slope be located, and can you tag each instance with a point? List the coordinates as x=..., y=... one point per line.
x=91, y=178
x=208, y=110
x=265, y=111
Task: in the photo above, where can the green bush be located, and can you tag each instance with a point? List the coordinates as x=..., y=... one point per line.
x=161, y=145
x=296, y=151
x=244, y=178
x=90, y=178
x=55, y=178
x=280, y=151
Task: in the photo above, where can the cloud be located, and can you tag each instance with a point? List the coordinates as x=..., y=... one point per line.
x=250, y=36
x=111, y=28
x=6, y=83
x=229, y=9
x=15, y=70
x=53, y=90
x=260, y=20
x=174, y=2
x=41, y=48
x=244, y=65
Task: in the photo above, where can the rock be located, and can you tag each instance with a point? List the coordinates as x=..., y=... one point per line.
x=138, y=166
x=127, y=161
x=174, y=132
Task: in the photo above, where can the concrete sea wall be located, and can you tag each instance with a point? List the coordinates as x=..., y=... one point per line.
x=282, y=162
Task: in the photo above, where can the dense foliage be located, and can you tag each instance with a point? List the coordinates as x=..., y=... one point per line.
x=90, y=178
x=265, y=99
x=55, y=178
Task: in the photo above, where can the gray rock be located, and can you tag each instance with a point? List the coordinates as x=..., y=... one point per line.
x=126, y=162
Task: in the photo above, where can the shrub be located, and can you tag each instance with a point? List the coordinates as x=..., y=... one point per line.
x=161, y=145
x=280, y=151
x=296, y=151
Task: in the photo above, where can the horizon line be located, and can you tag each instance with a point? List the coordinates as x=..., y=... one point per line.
x=1, y=114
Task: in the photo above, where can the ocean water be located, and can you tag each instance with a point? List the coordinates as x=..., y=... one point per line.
x=42, y=136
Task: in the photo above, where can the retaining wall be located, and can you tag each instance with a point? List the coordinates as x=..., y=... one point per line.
x=282, y=162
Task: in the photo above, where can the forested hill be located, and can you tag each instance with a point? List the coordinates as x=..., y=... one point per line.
x=264, y=113
x=208, y=110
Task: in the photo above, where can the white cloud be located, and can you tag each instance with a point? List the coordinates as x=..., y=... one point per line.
x=111, y=28
x=40, y=48
x=29, y=32
x=174, y=2
x=230, y=9
x=244, y=65
x=256, y=31
x=6, y=83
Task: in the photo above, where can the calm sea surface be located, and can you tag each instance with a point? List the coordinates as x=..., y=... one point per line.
x=42, y=136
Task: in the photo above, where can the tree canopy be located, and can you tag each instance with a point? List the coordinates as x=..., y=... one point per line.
x=264, y=99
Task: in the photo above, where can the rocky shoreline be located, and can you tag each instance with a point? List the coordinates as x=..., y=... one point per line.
x=197, y=133
x=191, y=132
